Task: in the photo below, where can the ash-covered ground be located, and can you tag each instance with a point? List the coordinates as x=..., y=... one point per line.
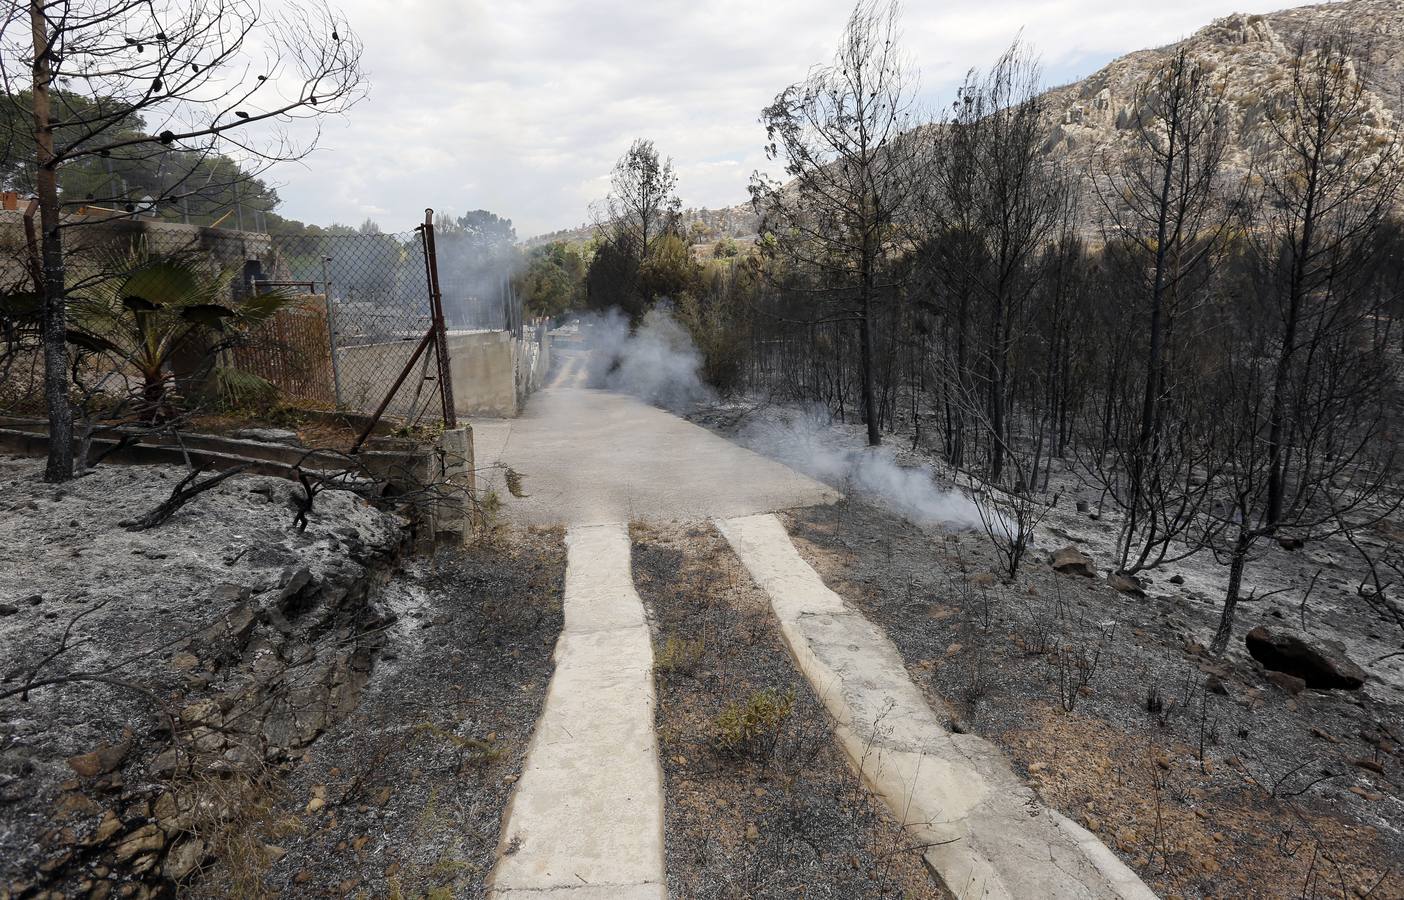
x=216, y=642
x=405, y=796
x=1104, y=698
x=1203, y=774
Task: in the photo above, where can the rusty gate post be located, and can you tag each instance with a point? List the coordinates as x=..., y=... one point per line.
x=436, y=305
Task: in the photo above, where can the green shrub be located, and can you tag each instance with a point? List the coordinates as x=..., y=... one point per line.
x=754, y=727
x=678, y=655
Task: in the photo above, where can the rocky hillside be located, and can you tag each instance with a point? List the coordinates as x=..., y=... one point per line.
x=1250, y=57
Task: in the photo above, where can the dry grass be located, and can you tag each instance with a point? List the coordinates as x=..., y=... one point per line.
x=1211, y=831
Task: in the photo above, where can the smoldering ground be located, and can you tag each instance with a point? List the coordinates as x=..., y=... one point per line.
x=659, y=363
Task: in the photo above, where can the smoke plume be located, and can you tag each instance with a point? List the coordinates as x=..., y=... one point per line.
x=807, y=440
x=658, y=362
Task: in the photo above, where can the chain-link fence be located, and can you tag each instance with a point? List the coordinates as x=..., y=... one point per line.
x=329, y=320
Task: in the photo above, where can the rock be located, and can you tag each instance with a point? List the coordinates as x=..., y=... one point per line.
x=146, y=839
x=269, y=436
x=1126, y=584
x=169, y=761
x=202, y=712
x=107, y=828
x=72, y=803
x=8, y=609
x=1082, y=506
x=1177, y=579
x=102, y=760
x=1321, y=665
x=1289, y=683
x=1072, y=561
x=184, y=661
x=183, y=859
x=1368, y=764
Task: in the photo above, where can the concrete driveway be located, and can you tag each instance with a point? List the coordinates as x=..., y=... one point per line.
x=591, y=457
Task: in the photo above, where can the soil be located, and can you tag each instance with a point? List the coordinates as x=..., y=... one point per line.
x=781, y=814
x=414, y=783
x=1201, y=773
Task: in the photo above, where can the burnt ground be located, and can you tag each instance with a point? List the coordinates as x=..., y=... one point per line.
x=1202, y=774
x=225, y=634
x=781, y=814
x=405, y=797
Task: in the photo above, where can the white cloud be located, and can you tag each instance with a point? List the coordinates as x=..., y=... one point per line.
x=522, y=107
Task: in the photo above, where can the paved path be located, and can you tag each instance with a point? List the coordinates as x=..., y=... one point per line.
x=586, y=821
x=590, y=457
x=587, y=818
x=989, y=834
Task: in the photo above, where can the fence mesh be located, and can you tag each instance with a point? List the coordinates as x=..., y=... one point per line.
x=354, y=309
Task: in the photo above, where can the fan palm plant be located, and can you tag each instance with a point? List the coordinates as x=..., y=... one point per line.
x=157, y=309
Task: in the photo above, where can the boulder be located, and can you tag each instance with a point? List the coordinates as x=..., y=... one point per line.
x=1320, y=664
x=102, y=760
x=1127, y=584
x=1072, y=561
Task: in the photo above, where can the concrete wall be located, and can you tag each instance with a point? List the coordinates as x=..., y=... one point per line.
x=492, y=374
x=484, y=368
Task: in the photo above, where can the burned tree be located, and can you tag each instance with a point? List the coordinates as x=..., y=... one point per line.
x=852, y=176
x=997, y=202
x=179, y=82
x=1166, y=220
x=1309, y=366
x=1332, y=177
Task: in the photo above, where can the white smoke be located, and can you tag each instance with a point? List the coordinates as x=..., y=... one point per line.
x=807, y=440
x=658, y=362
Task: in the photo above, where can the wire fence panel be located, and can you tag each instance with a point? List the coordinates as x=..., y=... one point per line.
x=353, y=309
x=378, y=313
x=292, y=351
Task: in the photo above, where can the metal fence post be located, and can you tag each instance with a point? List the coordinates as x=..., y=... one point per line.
x=436, y=306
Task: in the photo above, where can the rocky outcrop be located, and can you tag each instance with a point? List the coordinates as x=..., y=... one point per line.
x=243, y=652
x=1092, y=124
x=1072, y=561
x=1319, y=664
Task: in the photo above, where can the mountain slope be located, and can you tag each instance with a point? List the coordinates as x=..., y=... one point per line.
x=1091, y=120
x=1250, y=57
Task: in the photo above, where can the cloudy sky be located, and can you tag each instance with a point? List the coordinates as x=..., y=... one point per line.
x=522, y=106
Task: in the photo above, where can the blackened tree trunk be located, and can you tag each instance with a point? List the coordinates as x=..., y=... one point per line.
x=55, y=329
